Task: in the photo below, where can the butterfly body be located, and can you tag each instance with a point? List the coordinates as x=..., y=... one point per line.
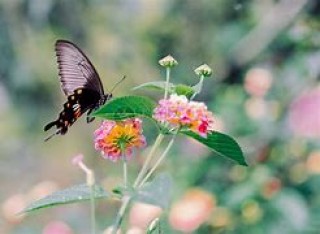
x=81, y=84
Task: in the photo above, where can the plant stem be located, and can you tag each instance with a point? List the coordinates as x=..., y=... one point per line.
x=91, y=183
x=163, y=155
x=93, y=210
x=118, y=221
x=125, y=171
x=126, y=199
x=148, y=159
x=200, y=87
x=167, y=82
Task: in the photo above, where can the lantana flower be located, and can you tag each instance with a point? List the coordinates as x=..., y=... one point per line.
x=116, y=139
x=178, y=111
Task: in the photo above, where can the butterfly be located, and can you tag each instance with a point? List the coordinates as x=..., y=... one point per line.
x=81, y=84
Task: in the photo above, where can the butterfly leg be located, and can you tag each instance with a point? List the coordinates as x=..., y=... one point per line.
x=89, y=118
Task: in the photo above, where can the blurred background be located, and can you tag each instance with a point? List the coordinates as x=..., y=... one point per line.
x=264, y=92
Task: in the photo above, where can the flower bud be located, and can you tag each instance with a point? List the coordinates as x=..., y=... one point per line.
x=203, y=70
x=168, y=61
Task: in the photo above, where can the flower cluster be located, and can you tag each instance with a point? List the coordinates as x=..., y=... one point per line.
x=178, y=111
x=112, y=137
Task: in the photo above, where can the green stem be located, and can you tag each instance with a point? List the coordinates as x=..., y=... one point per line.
x=200, y=87
x=126, y=199
x=118, y=221
x=161, y=158
x=93, y=210
x=167, y=82
x=125, y=172
x=148, y=159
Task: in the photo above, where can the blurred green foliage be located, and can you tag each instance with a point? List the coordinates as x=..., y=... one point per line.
x=278, y=193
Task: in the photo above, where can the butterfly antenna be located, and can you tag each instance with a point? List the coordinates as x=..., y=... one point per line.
x=120, y=81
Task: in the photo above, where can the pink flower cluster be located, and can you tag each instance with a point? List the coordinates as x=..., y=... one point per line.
x=178, y=111
x=117, y=139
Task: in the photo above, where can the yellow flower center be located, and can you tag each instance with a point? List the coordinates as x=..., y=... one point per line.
x=123, y=136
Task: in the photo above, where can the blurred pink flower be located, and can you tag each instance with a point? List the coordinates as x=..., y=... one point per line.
x=12, y=206
x=258, y=82
x=109, y=230
x=192, y=210
x=57, y=227
x=180, y=112
x=112, y=137
x=313, y=162
x=77, y=159
x=42, y=189
x=142, y=214
x=256, y=108
x=135, y=230
x=271, y=187
x=304, y=114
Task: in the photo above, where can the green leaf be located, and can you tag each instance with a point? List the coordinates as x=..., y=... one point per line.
x=221, y=144
x=159, y=85
x=179, y=89
x=185, y=90
x=157, y=192
x=77, y=193
x=126, y=107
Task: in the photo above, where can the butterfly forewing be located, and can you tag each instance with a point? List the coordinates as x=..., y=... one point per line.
x=75, y=69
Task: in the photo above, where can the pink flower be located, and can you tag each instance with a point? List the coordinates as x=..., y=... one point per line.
x=313, y=162
x=12, y=206
x=258, y=81
x=178, y=111
x=77, y=159
x=192, y=210
x=142, y=214
x=304, y=114
x=112, y=137
x=57, y=227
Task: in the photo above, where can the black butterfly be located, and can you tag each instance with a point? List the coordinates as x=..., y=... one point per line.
x=81, y=84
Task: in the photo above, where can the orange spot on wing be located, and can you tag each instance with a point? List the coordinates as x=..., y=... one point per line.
x=77, y=113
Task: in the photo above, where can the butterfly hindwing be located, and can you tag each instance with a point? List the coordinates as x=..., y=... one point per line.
x=78, y=103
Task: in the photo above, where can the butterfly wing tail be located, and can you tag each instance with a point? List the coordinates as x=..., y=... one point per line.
x=61, y=130
x=50, y=125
